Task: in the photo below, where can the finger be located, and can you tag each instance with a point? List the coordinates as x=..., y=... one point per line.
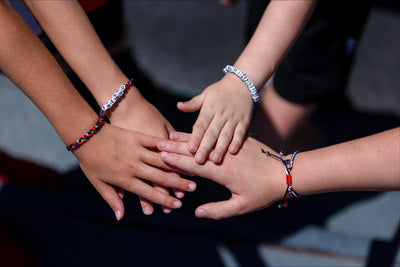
x=199, y=129
x=223, y=141
x=163, y=190
x=149, y=194
x=178, y=193
x=220, y=210
x=149, y=141
x=192, y=105
x=188, y=164
x=209, y=139
x=147, y=206
x=179, y=136
x=174, y=147
x=120, y=192
x=238, y=139
x=155, y=175
x=111, y=196
x=153, y=158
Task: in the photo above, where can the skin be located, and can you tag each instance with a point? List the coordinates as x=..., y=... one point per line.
x=131, y=161
x=226, y=107
x=370, y=163
x=71, y=32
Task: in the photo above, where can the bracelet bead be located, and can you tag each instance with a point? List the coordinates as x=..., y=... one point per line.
x=287, y=167
x=115, y=97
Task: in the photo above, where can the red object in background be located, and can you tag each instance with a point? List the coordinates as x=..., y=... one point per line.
x=91, y=5
x=3, y=179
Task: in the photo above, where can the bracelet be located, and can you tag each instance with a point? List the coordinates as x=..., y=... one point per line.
x=245, y=79
x=115, y=97
x=87, y=135
x=287, y=166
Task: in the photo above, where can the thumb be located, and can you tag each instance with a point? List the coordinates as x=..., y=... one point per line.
x=220, y=210
x=192, y=105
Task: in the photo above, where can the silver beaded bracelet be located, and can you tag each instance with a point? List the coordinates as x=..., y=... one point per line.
x=245, y=79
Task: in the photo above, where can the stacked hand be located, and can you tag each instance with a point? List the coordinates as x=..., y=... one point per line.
x=254, y=180
x=225, y=113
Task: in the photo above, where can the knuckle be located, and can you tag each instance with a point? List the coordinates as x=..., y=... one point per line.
x=225, y=135
x=199, y=125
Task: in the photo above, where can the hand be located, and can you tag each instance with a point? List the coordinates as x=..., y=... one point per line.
x=136, y=114
x=254, y=180
x=225, y=115
x=115, y=157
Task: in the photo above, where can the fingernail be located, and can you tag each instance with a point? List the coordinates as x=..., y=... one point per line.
x=192, y=186
x=179, y=194
x=201, y=213
x=162, y=144
x=118, y=215
x=164, y=155
x=233, y=149
x=216, y=158
x=199, y=158
x=167, y=210
x=175, y=136
x=192, y=148
x=177, y=204
x=147, y=210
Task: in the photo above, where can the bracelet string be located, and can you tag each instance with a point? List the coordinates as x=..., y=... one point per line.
x=110, y=103
x=245, y=79
x=287, y=167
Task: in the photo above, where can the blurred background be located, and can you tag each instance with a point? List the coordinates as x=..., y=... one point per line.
x=51, y=216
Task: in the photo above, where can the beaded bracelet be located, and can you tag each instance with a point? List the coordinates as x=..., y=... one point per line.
x=87, y=135
x=115, y=97
x=245, y=79
x=287, y=166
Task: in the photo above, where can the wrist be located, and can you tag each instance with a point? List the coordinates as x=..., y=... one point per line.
x=130, y=104
x=245, y=79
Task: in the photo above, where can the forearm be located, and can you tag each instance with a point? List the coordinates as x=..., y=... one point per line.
x=370, y=163
x=70, y=30
x=277, y=31
x=32, y=68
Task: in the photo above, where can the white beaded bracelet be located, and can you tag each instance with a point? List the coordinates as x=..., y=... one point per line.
x=115, y=97
x=245, y=79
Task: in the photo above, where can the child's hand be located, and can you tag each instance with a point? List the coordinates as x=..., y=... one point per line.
x=118, y=158
x=225, y=113
x=136, y=114
x=264, y=186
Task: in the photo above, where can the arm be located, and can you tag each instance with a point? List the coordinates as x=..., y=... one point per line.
x=114, y=156
x=370, y=163
x=70, y=30
x=226, y=106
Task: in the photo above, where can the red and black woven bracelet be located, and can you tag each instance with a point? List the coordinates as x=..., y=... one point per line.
x=86, y=136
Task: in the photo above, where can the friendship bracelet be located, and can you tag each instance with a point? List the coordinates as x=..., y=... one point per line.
x=87, y=135
x=115, y=97
x=287, y=166
x=245, y=79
